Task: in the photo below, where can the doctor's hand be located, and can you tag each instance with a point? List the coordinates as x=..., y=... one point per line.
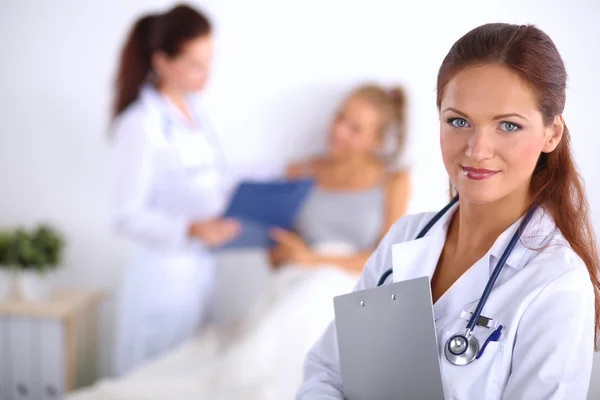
x=290, y=248
x=215, y=232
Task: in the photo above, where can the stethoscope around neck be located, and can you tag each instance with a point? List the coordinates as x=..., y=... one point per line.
x=463, y=348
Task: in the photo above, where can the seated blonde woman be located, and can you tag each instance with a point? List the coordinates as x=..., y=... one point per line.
x=362, y=188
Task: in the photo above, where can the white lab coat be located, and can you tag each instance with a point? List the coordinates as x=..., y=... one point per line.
x=544, y=299
x=167, y=172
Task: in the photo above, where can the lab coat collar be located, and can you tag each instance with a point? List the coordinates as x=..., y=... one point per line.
x=156, y=99
x=419, y=257
x=416, y=258
x=540, y=228
x=149, y=94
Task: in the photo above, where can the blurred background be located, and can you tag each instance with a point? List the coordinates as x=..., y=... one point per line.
x=281, y=69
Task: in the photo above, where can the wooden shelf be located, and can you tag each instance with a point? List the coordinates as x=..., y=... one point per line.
x=64, y=304
x=49, y=346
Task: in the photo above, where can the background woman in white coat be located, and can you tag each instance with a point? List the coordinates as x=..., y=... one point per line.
x=506, y=148
x=168, y=183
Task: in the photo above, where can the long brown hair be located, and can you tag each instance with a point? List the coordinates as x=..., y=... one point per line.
x=556, y=184
x=156, y=32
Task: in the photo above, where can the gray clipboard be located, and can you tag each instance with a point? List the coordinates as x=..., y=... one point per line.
x=387, y=343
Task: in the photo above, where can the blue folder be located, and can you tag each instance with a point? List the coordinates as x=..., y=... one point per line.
x=259, y=206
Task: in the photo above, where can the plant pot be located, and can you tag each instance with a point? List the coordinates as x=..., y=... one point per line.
x=36, y=285
x=7, y=283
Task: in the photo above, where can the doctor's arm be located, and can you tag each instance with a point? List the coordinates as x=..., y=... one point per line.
x=135, y=160
x=322, y=377
x=553, y=352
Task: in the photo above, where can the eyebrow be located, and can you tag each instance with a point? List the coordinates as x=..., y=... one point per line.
x=501, y=116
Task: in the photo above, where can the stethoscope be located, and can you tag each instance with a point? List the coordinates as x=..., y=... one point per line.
x=463, y=348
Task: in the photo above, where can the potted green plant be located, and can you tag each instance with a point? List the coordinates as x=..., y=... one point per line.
x=7, y=275
x=38, y=255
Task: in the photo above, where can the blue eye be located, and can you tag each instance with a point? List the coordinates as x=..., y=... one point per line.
x=458, y=122
x=509, y=127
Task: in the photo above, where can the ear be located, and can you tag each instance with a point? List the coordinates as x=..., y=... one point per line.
x=554, y=134
x=159, y=62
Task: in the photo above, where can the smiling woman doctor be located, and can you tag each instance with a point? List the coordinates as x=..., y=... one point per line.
x=168, y=185
x=506, y=148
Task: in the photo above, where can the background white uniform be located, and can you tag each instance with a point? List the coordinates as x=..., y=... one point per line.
x=168, y=172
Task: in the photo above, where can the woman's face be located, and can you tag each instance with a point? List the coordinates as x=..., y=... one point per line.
x=189, y=70
x=492, y=133
x=355, y=129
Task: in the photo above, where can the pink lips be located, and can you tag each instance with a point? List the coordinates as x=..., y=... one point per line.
x=478, y=173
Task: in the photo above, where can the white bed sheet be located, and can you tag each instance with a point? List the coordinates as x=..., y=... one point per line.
x=260, y=357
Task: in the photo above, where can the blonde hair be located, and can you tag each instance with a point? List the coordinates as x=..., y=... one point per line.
x=391, y=105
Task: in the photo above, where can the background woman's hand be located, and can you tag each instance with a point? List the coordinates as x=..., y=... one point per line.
x=290, y=248
x=215, y=232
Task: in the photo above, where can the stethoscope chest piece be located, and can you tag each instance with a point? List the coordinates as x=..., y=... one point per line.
x=461, y=349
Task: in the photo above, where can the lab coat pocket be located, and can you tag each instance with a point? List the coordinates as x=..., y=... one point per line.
x=477, y=380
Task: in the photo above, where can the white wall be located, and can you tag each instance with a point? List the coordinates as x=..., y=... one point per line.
x=281, y=68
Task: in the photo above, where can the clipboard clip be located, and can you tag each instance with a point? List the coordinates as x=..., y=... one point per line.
x=362, y=302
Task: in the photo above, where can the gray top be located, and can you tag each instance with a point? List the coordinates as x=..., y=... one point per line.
x=354, y=218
